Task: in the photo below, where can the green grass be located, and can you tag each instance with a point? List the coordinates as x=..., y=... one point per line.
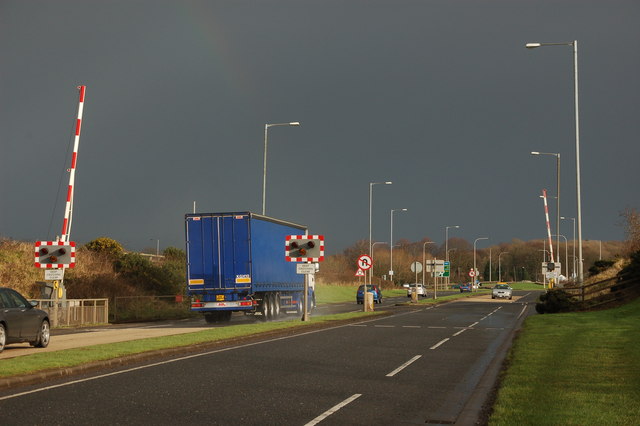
x=574, y=369
x=73, y=357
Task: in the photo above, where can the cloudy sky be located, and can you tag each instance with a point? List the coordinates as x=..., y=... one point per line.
x=439, y=96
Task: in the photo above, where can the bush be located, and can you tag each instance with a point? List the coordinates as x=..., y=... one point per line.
x=600, y=266
x=158, y=279
x=555, y=301
x=105, y=245
x=632, y=270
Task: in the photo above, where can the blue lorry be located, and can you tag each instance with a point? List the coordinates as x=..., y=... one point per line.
x=236, y=262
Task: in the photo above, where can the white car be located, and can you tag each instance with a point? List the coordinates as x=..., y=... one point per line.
x=502, y=290
x=420, y=289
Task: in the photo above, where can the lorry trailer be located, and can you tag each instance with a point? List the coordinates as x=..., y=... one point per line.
x=236, y=263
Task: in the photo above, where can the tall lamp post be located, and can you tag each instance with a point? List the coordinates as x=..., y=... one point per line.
x=264, y=166
x=577, y=132
x=372, y=248
x=574, y=242
x=391, y=253
x=557, y=155
x=424, y=263
x=446, y=246
x=566, y=254
x=370, y=242
x=474, y=258
x=500, y=266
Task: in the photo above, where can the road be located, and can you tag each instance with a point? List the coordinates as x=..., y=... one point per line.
x=431, y=365
x=78, y=337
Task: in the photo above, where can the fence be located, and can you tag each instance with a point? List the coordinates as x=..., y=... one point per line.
x=606, y=292
x=74, y=312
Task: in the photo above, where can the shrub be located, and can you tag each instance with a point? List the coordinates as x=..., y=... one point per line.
x=105, y=245
x=600, y=266
x=555, y=301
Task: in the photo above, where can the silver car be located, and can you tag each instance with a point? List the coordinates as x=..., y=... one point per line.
x=420, y=289
x=502, y=291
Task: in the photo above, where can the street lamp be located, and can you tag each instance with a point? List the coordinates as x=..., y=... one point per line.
x=391, y=254
x=474, y=258
x=566, y=254
x=500, y=266
x=446, y=245
x=574, y=242
x=557, y=155
x=424, y=264
x=370, y=242
x=577, y=131
x=372, y=247
x=264, y=166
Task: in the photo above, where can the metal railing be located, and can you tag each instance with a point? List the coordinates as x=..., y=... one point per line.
x=74, y=312
x=607, y=291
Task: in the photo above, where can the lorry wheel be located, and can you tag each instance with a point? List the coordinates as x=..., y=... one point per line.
x=211, y=317
x=276, y=305
x=272, y=306
x=225, y=316
x=264, y=307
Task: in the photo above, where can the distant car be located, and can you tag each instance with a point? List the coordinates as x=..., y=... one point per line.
x=420, y=289
x=465, y=287
x=377, y=294
x=21, y=322
x=502, y=291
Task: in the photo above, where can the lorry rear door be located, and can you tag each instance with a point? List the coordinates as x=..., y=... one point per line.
x=218, y=255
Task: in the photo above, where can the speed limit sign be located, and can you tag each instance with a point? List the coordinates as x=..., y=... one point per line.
x=365, y=262
x=472, y=273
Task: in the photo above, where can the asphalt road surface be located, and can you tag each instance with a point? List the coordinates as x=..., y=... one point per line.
x=432, y=365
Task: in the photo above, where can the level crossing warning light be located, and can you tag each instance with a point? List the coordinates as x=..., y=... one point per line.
x=551, y=266
x=55, y=254
x=304, y=248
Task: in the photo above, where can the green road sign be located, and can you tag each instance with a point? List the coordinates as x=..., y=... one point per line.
x=447, y=269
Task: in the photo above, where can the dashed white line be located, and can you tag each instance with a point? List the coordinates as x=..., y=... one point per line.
x=403, y=366
x=439, y=343
x=460, y=332
x=333, y=409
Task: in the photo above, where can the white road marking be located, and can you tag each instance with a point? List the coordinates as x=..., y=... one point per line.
x=403, y=366
x=439, y=343
x=522, y=311
x=460, y=332
x=333, y=409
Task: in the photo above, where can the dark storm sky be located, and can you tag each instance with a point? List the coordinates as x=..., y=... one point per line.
x=440, y=97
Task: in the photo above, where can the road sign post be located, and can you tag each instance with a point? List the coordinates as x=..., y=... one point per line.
x=365, y=263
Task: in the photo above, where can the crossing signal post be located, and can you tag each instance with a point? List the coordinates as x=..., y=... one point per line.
x=55, y=254
x=304, y=248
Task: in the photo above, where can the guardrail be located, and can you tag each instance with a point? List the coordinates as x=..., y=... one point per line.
x=605, y=292
x=74, y=312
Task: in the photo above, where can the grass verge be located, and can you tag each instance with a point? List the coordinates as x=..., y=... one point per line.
x=574, y=369
x=38, y=362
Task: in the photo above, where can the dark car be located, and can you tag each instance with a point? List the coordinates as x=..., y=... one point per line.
x=21, y=322
x=374, y=289
x=465, y=287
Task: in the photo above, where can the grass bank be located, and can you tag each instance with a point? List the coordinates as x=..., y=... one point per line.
x=575, y=368
x=37, y=362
